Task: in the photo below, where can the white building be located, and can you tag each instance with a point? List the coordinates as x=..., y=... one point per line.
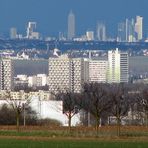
x=37, y=80
x=90, y=35
x=31, y=33
x=139, y=27
x=98, y=71
x=6, y=74
x=117, y=66
x=67, y=74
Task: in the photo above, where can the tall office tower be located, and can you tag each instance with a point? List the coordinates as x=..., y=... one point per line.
x=121, y=32
x=139, y=27
x=31, y=33
x=101, y=32
x=6, y=74
x=71, y=25
x=67, y=74
x=98, y=71
x=130, y=31
x=117, y=66
x=13, y=33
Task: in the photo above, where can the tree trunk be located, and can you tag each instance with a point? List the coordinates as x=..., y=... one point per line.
x=17, y=121
x=118, y=126
x=97, y=124
x=69, y=122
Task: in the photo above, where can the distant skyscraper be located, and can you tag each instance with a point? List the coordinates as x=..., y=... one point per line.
x=71, y=25
x=101, y=32
x=13, y=33
x=6, y=74
x=31, y=34
x=121, y=32
x=117, y=66
x=130, y=31
x=139, y=27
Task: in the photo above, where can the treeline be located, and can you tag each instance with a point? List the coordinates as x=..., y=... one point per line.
x=105, y=102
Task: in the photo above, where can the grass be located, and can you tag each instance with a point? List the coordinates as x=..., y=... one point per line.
x=15, y=143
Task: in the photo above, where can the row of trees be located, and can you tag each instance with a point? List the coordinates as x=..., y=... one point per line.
x=107, y=100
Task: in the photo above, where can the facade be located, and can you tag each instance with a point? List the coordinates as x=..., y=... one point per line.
x=117, y=67
x=67, y=74
x=139, y=27
x=6, y=74
x=98, y=71
x=71, y=25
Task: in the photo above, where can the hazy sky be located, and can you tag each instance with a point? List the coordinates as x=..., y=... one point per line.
x=51, y=15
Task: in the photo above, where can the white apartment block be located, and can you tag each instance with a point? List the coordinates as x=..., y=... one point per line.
x=98, y=71
x=6, y=74
x=117, y=66
x=67, y=74
x=37, y=80
x=22, y=95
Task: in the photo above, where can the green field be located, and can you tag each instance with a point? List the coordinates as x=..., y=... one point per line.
x=16, y=143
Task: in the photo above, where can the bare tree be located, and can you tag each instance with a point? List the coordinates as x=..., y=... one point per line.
x=17, y=105
x=120, y=105
x=95, y=100
x=70, y=106
x=142, y=101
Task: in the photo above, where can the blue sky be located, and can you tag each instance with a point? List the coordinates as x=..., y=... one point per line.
x=51, y=15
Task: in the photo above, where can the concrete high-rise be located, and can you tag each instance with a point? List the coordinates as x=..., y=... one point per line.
x=6, y=74
x=139, y=27
x=98, y=71
x=117, y=66
x=101, y=32
x=67, y=73
x=71, y=25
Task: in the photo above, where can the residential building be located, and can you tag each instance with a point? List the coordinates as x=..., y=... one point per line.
x=98, y=71
x=117, y=66
x=6, y=74
x=67, y=73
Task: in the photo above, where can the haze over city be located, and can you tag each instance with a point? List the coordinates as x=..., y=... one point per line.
x=51, y=15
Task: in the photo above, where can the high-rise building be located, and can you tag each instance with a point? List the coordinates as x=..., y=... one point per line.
x=71, y=25
x=130, y=30
x=67, y=73
x=139, y=27
x=6, y=74
x=31, y=33
x=13, y=33
x=121, y=32
x=101, y=32
x=98, y=71
x=117, y=66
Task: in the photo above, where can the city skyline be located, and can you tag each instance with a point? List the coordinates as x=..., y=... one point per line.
x=51, y=15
